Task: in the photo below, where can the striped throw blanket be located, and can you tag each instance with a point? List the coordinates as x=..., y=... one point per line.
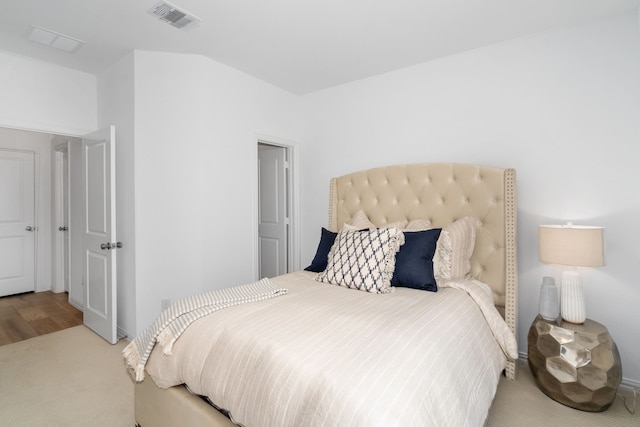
x=175, y=319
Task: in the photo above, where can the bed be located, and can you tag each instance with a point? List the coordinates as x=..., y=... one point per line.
x=322, y=353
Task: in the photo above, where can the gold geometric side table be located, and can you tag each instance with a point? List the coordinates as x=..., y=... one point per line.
x=576, y=365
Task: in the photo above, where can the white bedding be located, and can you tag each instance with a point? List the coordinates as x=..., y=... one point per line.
x=324, y=355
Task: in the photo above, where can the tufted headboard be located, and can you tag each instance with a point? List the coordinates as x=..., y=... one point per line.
x=443, y=193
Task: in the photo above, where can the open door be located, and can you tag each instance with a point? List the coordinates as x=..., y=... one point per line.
x=99, y=233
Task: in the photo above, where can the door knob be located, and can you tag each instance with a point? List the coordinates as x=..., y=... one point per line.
x=29, y=228
x=110, y=246
x=63, y=228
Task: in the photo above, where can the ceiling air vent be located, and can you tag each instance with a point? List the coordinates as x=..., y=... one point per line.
x=169, y=13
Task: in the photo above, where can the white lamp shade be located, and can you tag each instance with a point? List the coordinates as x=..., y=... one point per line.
x=579, y=246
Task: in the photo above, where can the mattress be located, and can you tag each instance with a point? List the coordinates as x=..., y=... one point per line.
x=324, y=355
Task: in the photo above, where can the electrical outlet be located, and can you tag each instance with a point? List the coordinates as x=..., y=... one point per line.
x=164, y=304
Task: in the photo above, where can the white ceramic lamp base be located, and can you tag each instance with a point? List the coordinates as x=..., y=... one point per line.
x=572, y=307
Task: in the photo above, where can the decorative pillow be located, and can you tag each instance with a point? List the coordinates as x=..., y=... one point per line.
x=452, y=259
x=418, y=225
x=360, y=221
x=414, y=261
x=319, y=262
x=363, y=260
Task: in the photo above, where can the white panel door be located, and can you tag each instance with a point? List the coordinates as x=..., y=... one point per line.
x=273, y=211
x=99, y=233
x=17, y=222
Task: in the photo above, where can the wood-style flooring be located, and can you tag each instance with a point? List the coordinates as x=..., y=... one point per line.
x=33, y=314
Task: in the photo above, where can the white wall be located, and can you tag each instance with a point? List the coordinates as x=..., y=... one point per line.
x=561, y=107
x=195, y=173
x=40, y=145
x=40, y=96
x=194, y=123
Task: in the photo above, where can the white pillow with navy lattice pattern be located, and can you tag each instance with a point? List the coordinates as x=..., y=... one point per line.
x=363, y=260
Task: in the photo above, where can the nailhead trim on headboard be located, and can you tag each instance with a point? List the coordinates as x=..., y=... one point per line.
x=511, y=302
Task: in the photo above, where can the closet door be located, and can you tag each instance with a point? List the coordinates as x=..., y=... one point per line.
x=17, y=222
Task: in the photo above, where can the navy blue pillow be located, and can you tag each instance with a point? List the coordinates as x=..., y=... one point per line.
x=414, y=261
x=319, y=263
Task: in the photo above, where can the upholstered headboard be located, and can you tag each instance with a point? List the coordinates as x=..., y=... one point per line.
x=443, y=193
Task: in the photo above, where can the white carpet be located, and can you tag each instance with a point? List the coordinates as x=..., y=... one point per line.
x=67, y=378
x=75, y=378
x=521, y=403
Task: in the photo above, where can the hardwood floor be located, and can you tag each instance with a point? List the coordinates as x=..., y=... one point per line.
x=32, y=314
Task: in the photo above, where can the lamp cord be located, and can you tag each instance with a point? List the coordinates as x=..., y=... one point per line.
x=624, y=400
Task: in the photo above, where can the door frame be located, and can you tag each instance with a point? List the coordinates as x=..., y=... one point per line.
x=59, y=191
x=43, y=274
x=293, y=243
x=44, y=278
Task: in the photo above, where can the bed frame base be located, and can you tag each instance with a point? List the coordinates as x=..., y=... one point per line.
x=175, y=406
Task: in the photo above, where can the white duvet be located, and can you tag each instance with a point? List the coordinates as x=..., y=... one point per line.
x=324, y=355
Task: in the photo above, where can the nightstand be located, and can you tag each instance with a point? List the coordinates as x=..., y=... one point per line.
x=576, y=365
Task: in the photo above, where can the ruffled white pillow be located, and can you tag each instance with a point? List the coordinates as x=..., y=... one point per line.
x=360, y=221
x=456, y=243
x=452, y=259
x=418, y=225
x=363, y=260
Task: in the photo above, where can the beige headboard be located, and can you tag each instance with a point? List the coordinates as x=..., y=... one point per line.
x=442, y=193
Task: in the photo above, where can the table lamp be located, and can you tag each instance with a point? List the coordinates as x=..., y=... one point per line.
x=574, y=246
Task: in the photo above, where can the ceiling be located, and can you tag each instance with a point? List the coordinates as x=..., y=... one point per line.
x=299, y=45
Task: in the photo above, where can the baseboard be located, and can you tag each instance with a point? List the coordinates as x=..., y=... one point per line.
x=121, y=333
x=630, y=384
x=76, y=305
